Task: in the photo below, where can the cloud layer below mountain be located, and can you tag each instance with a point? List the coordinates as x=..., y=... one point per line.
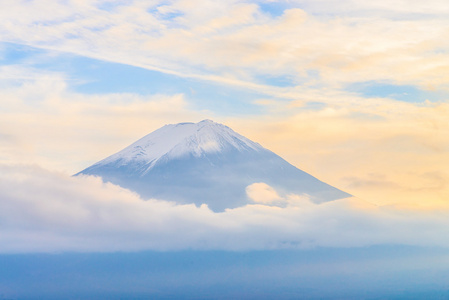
x=43, y=211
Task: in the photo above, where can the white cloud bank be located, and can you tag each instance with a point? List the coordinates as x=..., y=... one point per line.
x=43, y=211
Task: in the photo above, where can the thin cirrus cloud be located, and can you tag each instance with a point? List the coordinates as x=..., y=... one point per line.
x=43, y=211
x=386, y=9
x=48, y=124
x=238, y=43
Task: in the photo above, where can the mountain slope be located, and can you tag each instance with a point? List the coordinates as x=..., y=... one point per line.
x=205, y=162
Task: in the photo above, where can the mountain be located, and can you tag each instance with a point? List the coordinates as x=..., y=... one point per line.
x=205, y=162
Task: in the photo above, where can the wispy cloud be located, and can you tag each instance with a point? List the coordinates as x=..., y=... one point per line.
x=48, y=124
x=383, y=8
x=236, y=42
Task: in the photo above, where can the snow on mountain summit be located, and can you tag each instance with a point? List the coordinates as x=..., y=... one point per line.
x=177, y=140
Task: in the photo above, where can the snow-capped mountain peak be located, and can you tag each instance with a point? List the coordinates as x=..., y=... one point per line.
x=183, y=139
x=205, y=162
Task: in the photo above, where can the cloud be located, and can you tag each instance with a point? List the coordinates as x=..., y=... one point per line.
x=261, y=192
x=235, y=42
x=43, y=211
x=386, y=9
x=47, y=123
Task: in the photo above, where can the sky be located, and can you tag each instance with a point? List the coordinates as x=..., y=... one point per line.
x=353, y=92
